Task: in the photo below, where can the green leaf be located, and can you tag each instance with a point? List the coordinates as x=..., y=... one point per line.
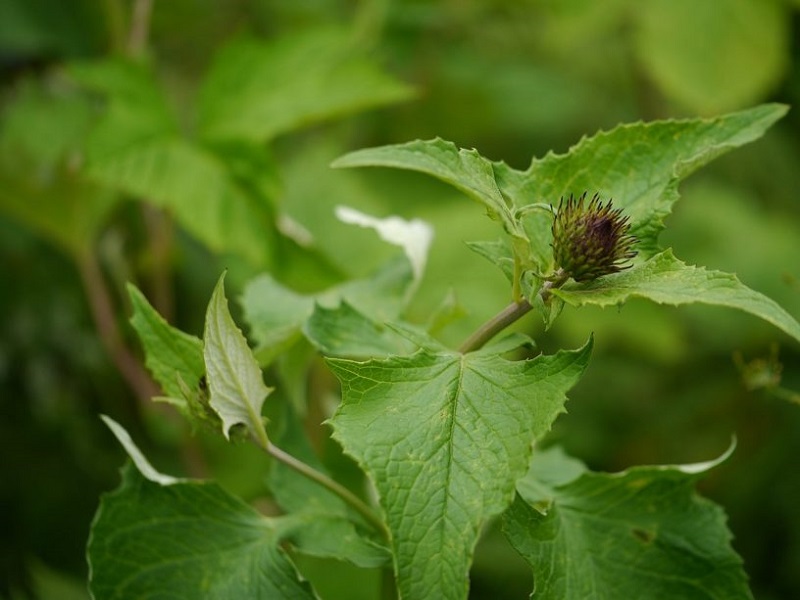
x=221, y=194
x=638, y=165
x=666, y=280
x=170, y=354
x=444, y=437
x=198, y=187
x=234, y=377
x=186, y=540
x=496, y=253
x=344, y=331
x=465, y=170
x=41, y=140
x=329, y=536
x=716, y=56
x=137, y=108
x=257, y=90
x=277, y=315
x=640, y=533
x=140, y=460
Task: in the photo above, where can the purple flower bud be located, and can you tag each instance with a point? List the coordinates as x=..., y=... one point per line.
x=592, y=240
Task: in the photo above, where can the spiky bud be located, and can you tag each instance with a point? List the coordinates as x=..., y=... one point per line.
x=591, y=240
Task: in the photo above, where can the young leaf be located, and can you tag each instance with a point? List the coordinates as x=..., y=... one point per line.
x=234, y=377
x=170, y=354
x=186, y=540
x=289, y=83
x=444, y=437
x=640, y=533
x=667, y=280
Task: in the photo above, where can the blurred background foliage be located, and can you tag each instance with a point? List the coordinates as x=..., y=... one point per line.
x=162, y=142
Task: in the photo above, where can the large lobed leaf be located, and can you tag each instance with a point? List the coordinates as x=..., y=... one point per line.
x=444, y=437
x=465, y=170
x=665, y=279
x=186, y=540
x=642, y=533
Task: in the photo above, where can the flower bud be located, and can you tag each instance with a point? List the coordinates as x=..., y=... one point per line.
x=592, y=240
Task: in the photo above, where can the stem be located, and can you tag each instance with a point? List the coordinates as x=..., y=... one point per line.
x=160, y=238
x=140, y=27
x=102, y=310
x=349, y=497
x=509, y=315
x=495, y=325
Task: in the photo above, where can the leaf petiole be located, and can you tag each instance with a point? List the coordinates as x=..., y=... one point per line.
x=346, y=495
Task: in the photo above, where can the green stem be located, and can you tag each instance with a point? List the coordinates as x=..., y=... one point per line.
x=495, y=325
x=509, y=315
x=349, y=497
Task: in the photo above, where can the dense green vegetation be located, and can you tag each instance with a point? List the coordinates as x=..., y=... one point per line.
x=160, y=144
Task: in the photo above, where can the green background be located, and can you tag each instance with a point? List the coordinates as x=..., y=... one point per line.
x=514, y=79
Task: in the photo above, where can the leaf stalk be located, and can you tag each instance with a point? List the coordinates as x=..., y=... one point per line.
x=346, y=495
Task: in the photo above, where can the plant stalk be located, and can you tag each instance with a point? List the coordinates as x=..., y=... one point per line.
x=509, y=315
x=349, y=497
x=104, y=317
x=495, y=325
x=140, y=27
